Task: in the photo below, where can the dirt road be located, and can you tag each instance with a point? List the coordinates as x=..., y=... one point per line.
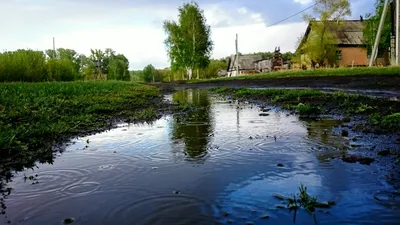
x=385, y=86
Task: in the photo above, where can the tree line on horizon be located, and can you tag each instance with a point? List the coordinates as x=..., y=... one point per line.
x=62, y=65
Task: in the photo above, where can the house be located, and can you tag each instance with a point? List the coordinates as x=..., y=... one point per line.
x=351, y=50
x=248, y=64
x=263, y=65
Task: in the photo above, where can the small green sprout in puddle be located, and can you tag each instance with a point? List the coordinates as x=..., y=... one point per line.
x=69, y=220
x=305, y=201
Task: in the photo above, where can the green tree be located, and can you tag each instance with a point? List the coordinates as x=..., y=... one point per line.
x=214, y=67
x=371, y=27
x=148, y=73
x=320, y=45
x=118, y=67
x=188, y=40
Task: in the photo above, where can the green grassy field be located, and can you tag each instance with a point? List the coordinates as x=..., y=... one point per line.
x=356, y=71
x=35, y=116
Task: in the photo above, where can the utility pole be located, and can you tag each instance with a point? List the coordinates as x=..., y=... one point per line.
x=237, y=56
x=378, y=35
x=54, y=47
x=397, y=30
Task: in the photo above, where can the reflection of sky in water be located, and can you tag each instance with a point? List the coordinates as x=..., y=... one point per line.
x=219, y=158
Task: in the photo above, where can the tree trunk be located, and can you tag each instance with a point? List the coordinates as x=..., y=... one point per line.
x=198, y=77
x=189, y=72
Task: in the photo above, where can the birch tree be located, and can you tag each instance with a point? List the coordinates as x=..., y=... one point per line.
x=188, y=41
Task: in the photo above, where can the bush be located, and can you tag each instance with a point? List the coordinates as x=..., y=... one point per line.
x=391, y=122
x=307, y=110
x=23, y=65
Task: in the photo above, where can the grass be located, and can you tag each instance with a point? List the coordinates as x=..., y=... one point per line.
x=356, y=71
x=304, y=200
x=36, y=116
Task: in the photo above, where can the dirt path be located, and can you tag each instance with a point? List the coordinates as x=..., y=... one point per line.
x=380, y=86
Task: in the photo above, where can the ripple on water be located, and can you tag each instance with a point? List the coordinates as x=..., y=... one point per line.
x=388, y=198
x=81, y=189
x=53, y=181
x=164, y=209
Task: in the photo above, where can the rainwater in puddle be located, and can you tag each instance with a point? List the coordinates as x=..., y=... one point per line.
x=217, y=165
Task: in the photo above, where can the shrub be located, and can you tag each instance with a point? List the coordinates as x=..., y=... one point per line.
x=307, y=110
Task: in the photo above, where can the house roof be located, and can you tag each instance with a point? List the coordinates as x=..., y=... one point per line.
x=246, y=62
x=350, y=32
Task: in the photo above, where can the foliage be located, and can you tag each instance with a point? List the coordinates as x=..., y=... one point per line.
x=149, y=73
x=392, y=121
x=188, y=40
x=213, y=68
x=118, y=68
x=307, y=110
x=60, y=65
x=23, y=65
x=372, y=24
x=115, y=66
x=320, y=44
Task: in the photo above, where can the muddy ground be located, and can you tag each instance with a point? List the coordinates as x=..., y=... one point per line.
x=387, y=83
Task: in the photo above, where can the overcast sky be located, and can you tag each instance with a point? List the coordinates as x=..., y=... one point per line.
x=134, y=27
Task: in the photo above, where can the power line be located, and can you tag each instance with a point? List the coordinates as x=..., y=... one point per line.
x=292, y=15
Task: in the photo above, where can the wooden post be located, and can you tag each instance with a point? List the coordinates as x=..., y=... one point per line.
x=237, y=56
x=378, y=35
x=397, y=30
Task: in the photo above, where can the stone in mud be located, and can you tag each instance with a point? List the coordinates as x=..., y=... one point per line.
x=384, y=152
x=280, y=207
x=68, y=221
x=263, y=114
x=280, y=165
x=360, y=159
x=265, y=217
x=398, y=141
x=345, y=133
x=265, y=110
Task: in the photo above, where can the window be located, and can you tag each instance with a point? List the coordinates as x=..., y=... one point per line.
x=338, y=54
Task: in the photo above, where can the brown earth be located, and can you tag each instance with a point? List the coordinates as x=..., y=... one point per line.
x=387, y=83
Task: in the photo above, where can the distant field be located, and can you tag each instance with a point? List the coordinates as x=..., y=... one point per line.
x=356, y=71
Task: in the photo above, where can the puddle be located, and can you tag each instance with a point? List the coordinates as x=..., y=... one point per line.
x=215, y=165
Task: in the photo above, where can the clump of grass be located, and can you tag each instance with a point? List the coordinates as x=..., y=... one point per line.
x=363, y=108
x=391, y=122
x=303, y=200
x=307, y=110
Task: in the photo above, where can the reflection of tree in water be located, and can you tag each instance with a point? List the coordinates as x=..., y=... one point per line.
x=320, y=131
x=195, y=127
x=16, y=160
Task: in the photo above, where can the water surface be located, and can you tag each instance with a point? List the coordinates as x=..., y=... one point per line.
x=216, y=165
